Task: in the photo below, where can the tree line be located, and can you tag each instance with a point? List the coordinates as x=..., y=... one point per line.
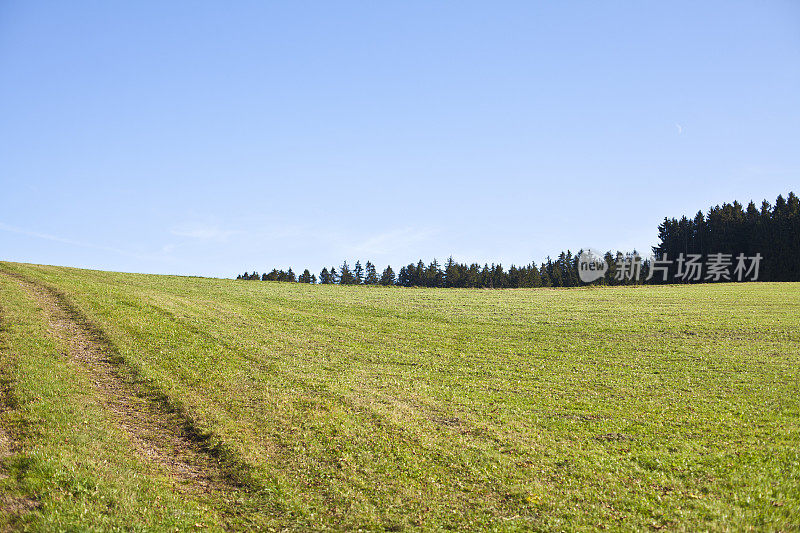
x=561, y=272
x=771, y=231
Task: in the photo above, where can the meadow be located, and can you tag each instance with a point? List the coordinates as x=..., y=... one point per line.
x=326, y=407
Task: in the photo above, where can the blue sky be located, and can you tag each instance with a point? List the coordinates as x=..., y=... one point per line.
x=208, y=138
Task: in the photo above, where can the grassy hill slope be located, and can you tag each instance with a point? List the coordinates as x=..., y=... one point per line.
x=385, y=408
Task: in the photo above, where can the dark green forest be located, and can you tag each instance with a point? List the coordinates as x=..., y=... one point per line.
x=728, y=243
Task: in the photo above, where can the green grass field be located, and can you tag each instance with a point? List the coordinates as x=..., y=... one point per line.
x=329, y=407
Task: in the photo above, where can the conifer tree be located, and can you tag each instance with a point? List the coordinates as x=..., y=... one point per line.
x=325, y=276
x=405, y=278
x=388, y=278
x=545, y=276
x=534, y=275
x=358, y=273
x=418, y=277
x=346, y=276
x=433, y=275
x=450, y=275
x=370, y=275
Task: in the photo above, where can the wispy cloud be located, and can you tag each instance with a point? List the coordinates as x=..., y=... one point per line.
x=56, y=238
x=680, y=128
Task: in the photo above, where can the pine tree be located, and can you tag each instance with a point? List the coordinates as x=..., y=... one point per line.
x=486, y=277
x=346, y=277
x=325, y=276
x=418, y=277
x=545, y=275
x=534, y=276
x=371, y=276
x=433, y=275
x=387, y=278
x=405, y=278
x=358, y=273
x=553, y=279
x=450, y=274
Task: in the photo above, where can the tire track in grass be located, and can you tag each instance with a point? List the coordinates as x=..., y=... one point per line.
x=156, y=432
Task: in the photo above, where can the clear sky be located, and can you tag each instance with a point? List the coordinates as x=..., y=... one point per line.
x=215, y=137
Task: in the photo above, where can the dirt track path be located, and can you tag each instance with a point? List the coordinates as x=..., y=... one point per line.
x=155, y=432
